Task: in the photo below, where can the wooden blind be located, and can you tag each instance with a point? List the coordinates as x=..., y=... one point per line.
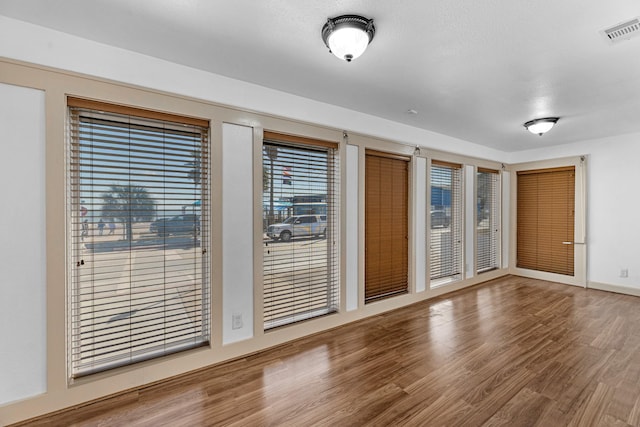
x=300, y=215
x=546, y=203
x=386, y=226
x=139, y=232
x=445, y=245
x=488, y=219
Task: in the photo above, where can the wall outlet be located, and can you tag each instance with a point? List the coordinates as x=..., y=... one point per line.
x=624, y=272
x=236, y=321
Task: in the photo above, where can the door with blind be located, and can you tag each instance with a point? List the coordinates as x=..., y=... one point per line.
x=386, y=225
x=546, y=218
x=300, y=218
x=445, y=223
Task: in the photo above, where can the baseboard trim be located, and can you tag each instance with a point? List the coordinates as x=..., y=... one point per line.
x=614, y=288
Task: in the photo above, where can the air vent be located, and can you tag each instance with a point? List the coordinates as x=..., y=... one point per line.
x=622, y=31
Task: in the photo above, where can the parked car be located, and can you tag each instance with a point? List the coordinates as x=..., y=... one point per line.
x=440, y=219
x=298, y=226
x=179, y=224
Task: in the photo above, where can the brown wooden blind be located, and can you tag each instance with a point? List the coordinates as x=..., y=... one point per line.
x=546, y=203
x=386, y=226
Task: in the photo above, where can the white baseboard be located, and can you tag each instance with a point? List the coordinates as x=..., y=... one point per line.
x=614, y=288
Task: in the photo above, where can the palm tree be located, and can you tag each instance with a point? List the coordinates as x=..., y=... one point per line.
x=272, y=154
x=128, y=204
x=194, y=174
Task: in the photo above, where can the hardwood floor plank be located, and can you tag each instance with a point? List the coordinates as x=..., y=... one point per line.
x=524, y=409
x=590, y=412
x=634, y=415
x=512, y=352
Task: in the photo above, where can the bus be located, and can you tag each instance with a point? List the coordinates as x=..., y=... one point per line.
x=309, y=208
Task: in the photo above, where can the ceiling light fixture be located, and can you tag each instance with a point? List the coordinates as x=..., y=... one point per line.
x=541, y=126
x=347, y=36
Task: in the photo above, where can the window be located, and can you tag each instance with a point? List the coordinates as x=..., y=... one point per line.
x=300, y=258
x=139, y=231
x=445, y=253
x=487, y=220
x=386, y=225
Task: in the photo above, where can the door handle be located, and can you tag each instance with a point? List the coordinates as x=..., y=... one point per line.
x=567, y=243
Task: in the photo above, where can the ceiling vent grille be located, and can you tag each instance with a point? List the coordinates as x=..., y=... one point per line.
x=622, y=31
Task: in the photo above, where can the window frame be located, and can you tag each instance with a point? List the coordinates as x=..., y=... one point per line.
x=331, y=214
x=460, y=209
x=494, y=257
x=79, y=109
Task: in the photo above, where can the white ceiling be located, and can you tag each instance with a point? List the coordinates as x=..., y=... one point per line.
x=474, y=70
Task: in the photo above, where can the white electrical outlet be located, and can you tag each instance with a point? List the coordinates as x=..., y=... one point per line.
x=624, y=272
x=236, y=321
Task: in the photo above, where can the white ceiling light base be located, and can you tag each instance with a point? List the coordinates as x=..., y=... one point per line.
x=541, y=126
x=348, y=36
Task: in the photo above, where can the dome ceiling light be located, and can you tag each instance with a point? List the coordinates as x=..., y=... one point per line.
x=541, y=126
x=347, y=36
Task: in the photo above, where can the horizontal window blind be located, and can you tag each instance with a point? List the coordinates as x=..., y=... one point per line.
x=488, y=219
x=139, y=233
x=445, y=252
x=300, y=215
x=386, y=225
x=546, y=218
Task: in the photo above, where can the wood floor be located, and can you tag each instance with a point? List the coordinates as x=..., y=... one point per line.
x=512, y=352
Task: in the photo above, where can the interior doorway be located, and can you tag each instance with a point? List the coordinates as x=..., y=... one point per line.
x=549, y=238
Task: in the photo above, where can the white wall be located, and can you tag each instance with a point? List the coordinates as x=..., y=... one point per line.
x=469, y=221
x=420, y=220
x=237, y=232
x=506, y=220
x=613, y=203
x=23, y=350
x=352, y=228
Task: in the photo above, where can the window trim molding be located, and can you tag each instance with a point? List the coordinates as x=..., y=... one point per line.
x=102, y=106
x=295, y=139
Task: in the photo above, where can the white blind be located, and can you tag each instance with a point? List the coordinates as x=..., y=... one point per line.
x=139, y=233
x=446, y=223
x=488, y=220
x=300, y=213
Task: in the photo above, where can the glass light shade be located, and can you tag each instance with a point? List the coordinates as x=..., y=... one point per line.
x=541, y=126
x=348, y=43
x=348, y=36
